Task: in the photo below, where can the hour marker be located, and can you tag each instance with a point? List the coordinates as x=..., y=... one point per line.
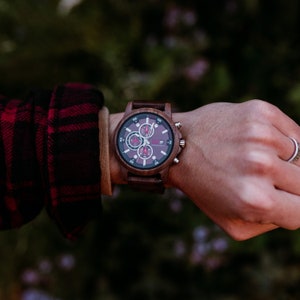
x=127, y=150
x=163, y=152
x=165, y=131
x=144, y=162
x=128, y=129
x=137, y=124
x=147, y=120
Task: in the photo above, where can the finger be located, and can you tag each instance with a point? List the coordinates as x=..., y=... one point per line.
x=286, y=212
x=242, y=230
x=287, y=177
x=290, y=129
x=268, y=138
x=284, y=123
x=283, y=145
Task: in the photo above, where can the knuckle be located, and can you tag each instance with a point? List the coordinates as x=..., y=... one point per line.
x=260, y=108
x=258, y=133
x=256, y=204
x=257, y=125
x=259, y=163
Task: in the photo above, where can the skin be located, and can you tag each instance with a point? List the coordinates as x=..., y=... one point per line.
x=235, y=158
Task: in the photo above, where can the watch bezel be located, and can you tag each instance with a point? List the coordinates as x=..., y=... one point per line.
x=174, y=152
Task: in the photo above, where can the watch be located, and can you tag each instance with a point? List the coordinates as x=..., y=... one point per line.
x=147, y=142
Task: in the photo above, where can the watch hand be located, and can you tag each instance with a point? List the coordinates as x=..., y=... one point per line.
x=146, y=142
x=152, y=126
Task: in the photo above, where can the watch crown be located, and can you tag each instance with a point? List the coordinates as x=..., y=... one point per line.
x=182, y=143
x=176, y=160
x=178, y=125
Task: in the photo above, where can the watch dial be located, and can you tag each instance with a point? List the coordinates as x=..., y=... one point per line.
x=145, y=140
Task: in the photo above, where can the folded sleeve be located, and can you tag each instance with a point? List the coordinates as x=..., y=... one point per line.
x=49, y=157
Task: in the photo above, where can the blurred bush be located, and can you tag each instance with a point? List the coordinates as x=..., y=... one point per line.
x=194, y=53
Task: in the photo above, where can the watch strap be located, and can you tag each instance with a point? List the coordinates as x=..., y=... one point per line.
x=142, y=104
x=162, y=106
x=146, y=183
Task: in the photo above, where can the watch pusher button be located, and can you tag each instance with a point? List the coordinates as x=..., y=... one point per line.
x=176, y=160
x=182, y=143
x=178, y=125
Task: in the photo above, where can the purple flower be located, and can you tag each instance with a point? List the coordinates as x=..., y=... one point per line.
x=172, y=17
x=30, y=277
x=45, y=266
x=219, y=244
x=200, y=233
x=196, y=70
x=189, y=18
x=179, y=248
x=176, y=205
x=67, y=262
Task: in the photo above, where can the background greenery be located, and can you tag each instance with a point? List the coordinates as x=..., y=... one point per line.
x=194, y=53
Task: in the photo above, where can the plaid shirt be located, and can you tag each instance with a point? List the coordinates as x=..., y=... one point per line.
x=49, y=157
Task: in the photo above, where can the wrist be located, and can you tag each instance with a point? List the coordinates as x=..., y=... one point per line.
x=115, y=167
x=117, y=174
x=176, y=170
x=174, y=177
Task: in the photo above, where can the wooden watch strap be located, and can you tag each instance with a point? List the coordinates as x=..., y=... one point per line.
x=146, y=183
x=142, y=104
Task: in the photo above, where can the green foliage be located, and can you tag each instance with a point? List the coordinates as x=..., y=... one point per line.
x=192, y=52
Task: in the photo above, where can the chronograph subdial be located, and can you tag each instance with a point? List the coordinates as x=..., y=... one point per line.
x=145, y=152
x=134, y=140
x=147, y=130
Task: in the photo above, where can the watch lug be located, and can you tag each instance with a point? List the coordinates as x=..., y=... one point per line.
x=168, y=110
x=128, y=108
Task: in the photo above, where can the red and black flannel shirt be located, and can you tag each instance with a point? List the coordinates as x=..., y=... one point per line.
x=49, y=157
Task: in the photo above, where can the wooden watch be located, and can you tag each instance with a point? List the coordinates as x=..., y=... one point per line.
x=147, y=142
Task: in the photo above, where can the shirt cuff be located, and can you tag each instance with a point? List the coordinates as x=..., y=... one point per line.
x=103, y=119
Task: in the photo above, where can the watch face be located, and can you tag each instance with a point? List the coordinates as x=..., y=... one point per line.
x=145, y=140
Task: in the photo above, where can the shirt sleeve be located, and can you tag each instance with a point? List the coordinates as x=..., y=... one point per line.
x=49, y=157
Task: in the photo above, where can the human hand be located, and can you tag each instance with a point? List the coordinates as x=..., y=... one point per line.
x=234, y=166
